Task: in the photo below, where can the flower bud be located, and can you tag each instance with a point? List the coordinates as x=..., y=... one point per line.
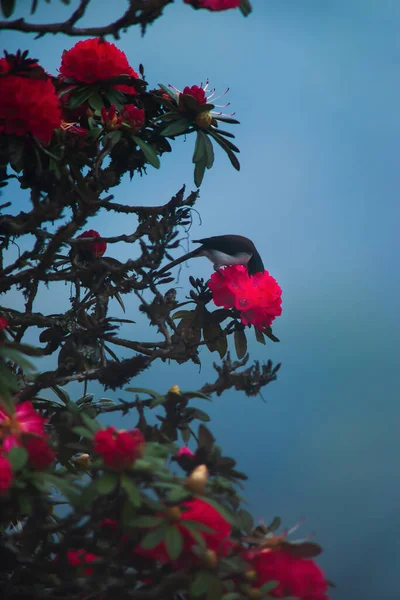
x=250, y=575
x=173, y=513
x=209, y=559
x=204, y=119
x=82, y=462
x=175, y=390
x=197, y=480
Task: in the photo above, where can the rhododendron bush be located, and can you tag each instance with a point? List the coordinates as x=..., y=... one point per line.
x=153, y=508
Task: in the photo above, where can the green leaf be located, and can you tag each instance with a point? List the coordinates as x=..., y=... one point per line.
x=149, y=152
x=259, y=336
x=224, y=512
x=245, y=520
x=115, y=97
x=106, y=483
x=8, y=7
x=194, y=531
x=225, y=146
x=64, y=486
x=147, y=521
x=231, y=596
x=182, y=314
x=79, y=96
x=303, y=549
x=209, y=151
x=274, y=525
x=215, y=338
x=18, y=458
x=206, y=438
x=268, y=332
x=154, y=537
x=173, y=542
x=177, y=127
x=83, y=432
x=168, y=91
x=214, y=589
x=131, y=490
x=24, y=505
x=269, y=586
x=96, y=101
x=90, y=423
x=199, y=584
x=177, y=495
x=87, y=495
x=114, y=137
x=199, y=171
x=196, y=413
x=199, y=154
x=240, y=343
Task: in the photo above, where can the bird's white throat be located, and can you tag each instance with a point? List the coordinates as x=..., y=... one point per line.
x=220, y=259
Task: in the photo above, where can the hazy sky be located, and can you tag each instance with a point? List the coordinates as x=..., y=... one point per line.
x=316, y=87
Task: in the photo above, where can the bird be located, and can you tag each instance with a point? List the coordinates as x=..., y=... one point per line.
x=224, y=250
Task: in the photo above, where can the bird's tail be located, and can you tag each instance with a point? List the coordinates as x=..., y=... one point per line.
x=180, y=260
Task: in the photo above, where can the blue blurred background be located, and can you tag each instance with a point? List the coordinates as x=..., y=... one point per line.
x=316, y=88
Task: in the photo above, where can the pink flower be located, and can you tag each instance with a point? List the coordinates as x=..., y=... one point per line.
x=214, y=5
x=184, y=451
x=6, y=475
x=25, y=420
x=258, y=297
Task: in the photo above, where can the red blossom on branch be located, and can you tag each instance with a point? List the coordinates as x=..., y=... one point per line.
x=28, y=105
x=6, y=475
x=201, y=512
x=14, y=427
x=3, y=323
x=214, y=5
x=119, y=449
x=92, y=249
x=95, y=60
x=133, y=116
x=299, y=577
x=198, y=93
x=40, y=454
x=80, y=558
x=258, y=297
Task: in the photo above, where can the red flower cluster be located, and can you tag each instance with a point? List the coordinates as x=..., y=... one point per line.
x=119, y=449
x=133, y=116
x=25, y=428
x=258, y=297
x=28, y=104
x=201, y=512
x=6, y=475
x=197, y=92
x=3, y=323
x=297, y=577
x=214, y=5
x=92, y=249
x=95, y=60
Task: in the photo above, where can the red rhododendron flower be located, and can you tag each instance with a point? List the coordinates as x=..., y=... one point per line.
x=40, y=454
x=184, y=451
x=25, y=420
x=133, y=116
x=201, y=512
x=214, y=5
x=109, y=118
x=95, y=60
x=258, y=297
x=80, y=558
x=299, y=577
x=119, y=449
x=28, y=105
x=95, y=249
x=3, y=323
x=6, y=475
x=197, y=92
